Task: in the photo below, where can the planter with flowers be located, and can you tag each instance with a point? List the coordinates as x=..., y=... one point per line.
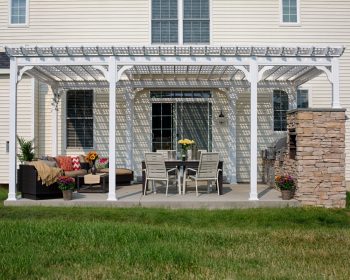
x=91, y=158
x=287, y=186
x=66, y=185
x=185, y=145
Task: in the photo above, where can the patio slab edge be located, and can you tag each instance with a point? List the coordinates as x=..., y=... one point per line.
x=158, y=204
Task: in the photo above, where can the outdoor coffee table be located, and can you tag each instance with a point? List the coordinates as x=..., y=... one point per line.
x=101, y=187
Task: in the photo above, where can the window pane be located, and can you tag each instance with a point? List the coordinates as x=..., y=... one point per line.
x=18, y=11
x=196, y=21
x=302, y=98
x=79, y=119
x=280, y=108
x=289, y=10
x=164, y=21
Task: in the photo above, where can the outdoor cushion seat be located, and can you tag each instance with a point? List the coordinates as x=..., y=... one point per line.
x=75, y=173
x=123, y=175
x=118, y=171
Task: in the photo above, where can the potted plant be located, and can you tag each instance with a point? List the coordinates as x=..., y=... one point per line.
x=286, y=184
x=66, y=185
x=26, y=150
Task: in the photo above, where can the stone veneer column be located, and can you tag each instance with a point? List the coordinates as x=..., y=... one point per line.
x=319, y=165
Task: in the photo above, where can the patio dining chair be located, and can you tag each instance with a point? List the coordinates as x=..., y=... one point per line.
x=156, y=171
x=207, y=171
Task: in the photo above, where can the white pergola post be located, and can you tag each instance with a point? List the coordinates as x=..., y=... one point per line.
x=112, y=79
x=13, y=128
x=54, y=120
x=129, y=130
x=253, y=73
x=335, y=83
x=232, y=171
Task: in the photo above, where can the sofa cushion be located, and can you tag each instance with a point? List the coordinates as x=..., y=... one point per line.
x=76, y=163
x=75, y=173
x=65, y=163
x=119, y=171
x=49, y=163
x=82, y=159
x=102, y=163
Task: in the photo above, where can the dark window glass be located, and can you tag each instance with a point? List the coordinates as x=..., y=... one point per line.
x=303, y=98
x=80, y=124
x=280, y=108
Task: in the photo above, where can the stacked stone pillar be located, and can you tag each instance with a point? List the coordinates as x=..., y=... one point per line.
x=319, y=164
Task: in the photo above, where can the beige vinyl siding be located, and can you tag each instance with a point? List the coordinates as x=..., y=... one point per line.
x=126, y=22
x=25, y=117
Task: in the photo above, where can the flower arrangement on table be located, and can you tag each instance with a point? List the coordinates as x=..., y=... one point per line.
x=285, y=182
x=91, y=158
x=65, y=183
x=185, y=145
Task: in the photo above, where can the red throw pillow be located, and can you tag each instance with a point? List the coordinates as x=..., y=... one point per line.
x=65, y=163
x=76, y=163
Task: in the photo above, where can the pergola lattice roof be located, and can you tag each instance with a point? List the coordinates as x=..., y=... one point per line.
x=74, y=72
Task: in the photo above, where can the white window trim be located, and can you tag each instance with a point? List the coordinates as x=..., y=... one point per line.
x=18, y=25
x=180, y=19
x=291, y=24
x=308, y=94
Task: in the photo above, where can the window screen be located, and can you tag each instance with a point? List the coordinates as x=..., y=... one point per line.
x=18, y=11
x=290, y=11
x=164, y=21
x=80, y=119
x=196, y=21
x=280, y=108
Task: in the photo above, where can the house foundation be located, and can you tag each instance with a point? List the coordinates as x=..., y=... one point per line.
x=315, y=156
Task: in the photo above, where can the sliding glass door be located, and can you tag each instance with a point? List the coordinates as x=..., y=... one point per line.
x=177, y=115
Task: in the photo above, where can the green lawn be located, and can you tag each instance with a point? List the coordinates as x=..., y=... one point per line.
x=86, y=243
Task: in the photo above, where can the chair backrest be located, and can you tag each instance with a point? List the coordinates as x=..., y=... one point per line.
x=208, y=165
x=155, y=165
x=168, y=154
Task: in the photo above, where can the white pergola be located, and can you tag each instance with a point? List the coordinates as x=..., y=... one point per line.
x=74, y=67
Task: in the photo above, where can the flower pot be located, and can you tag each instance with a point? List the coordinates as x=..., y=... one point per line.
x=67, y=194
x=286, y=194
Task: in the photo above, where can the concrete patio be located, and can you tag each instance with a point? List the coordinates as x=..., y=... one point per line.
x=235, y=196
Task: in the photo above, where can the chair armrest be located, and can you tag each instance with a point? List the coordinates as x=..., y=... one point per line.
x=190, y=169
x=219, y=170
x=172, y=169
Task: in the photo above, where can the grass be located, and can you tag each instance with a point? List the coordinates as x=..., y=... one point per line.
x=89, y=243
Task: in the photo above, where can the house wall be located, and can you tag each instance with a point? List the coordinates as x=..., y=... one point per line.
x=241, y=22
x=25, y=117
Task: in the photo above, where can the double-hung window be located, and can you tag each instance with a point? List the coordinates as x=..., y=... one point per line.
x=164, y=21
x=280, y=108
x=80, y=119
x=196, y=21
x=193, y=21
x=18, y=12
x=290, y=11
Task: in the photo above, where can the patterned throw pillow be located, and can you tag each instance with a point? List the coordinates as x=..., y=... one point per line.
x=102, y=163
x=76, y=163
x=65, y=163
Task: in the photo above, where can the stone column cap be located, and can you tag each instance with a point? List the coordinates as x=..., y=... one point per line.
x=316, y=110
